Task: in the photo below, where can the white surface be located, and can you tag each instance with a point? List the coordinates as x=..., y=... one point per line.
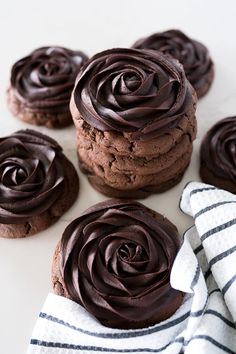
x=94, y=26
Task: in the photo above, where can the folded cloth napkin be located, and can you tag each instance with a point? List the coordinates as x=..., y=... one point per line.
x=205, y=269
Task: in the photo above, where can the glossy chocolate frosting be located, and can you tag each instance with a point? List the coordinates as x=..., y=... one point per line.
x=43, y=80
x=116, y=262
x=218, y=149
x=128, y=90
x=31, y=175
x=192, y=54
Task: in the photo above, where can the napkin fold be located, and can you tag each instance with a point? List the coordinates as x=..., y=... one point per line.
x=205, y=269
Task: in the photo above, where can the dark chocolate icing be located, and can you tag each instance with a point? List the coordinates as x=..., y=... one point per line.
x=116, y=262
x=31, y=175
x=43, y=80
x=192, y=54
x=218, y=149
x=128, y=90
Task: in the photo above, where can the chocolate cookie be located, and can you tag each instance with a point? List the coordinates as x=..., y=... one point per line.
x=115, y=260
x=148, y=176
x=192, y=54
x=41, y=85
x=218, y=155
x=37, y=183
x=134, y=113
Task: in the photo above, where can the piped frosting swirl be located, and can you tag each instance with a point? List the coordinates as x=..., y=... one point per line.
x=218, y=149
x=192, y=54
x=116, y=260
x=31, y=175
x=43, y=80
x=142, y=92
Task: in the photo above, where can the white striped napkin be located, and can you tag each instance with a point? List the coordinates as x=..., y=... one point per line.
x=205, y=269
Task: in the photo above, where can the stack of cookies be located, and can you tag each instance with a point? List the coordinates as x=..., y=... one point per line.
x=134, y=111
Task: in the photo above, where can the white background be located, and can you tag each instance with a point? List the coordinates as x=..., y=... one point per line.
x=92, y=26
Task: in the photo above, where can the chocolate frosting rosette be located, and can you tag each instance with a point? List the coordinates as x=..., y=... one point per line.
x=115, y=260
x=32, y=179
x=218, y=155
x=41, y=85
x=192, y=54
x=128, y=90
x=134, y=112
